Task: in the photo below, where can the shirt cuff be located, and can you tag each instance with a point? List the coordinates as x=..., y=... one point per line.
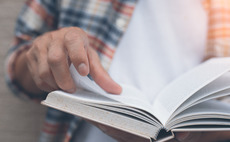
x=12, y=83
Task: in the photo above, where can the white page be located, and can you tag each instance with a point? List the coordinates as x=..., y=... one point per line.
x=99, y=101
x=212, y=96
x=208, y=109
x=212, y=107
x=89, y=97
x=211, y=125
x=115, y=120
x=186, y=85
x=129, y=96
x=218, y=88
x=127, y=111
x=84, y=82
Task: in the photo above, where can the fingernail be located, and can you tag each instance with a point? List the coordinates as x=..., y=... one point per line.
x=82, y=69
x=182, y=136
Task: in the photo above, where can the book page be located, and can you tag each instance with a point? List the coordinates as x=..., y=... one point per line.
x=186, y=85
x=130, y=96
x=82, y=96
x=110, y=118
x=207, y=113
x=84, y=82
x=217, y=88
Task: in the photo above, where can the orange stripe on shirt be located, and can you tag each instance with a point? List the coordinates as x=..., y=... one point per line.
x=218, y=12
x=97, y=43
x=121, y=7
x=53, y=128
x=37, y=8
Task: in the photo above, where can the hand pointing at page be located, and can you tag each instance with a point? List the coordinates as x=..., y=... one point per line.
x=49, y=58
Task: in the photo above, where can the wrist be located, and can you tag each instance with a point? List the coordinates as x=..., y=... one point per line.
x=22, y=77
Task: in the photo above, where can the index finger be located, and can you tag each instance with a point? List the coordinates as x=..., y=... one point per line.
x=75, y=43
x=100, y=76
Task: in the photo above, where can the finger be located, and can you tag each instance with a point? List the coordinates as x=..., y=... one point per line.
x=32, y=66
x=219, y=136
x=173, y=140
x=100, y=76
x=223, y=136
x=120, y=135
x=57, y=59
x=188, y=136
x=75, y=45
x=45, y=74
x=204, y=136
x=42, y=85
x=181, y=136
x=44, y=71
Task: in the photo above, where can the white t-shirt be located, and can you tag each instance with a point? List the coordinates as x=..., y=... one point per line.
x=164, y=39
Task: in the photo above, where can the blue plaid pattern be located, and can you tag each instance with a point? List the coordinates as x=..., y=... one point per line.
x=97, y=18
x=104, y=21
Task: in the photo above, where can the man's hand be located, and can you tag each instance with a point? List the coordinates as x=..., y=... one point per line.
x=223, y=136
x=122, y=136
x=119, y=135
x=49, y=58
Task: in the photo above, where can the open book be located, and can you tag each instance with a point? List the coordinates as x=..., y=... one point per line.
x=186, y=104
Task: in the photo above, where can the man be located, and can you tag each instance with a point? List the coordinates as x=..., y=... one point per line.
x=50, y=35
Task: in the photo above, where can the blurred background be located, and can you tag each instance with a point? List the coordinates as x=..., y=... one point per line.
x=20, y=121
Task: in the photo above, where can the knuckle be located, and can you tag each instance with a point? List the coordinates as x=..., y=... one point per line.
x=65, y=85
x=81, y=31
x=48, y=36
x=74, y=34
x=55, y=58
x=55, y=43
x=44, y=74
x=28, y=55
x=40, y=84
x=76, y=58
x=75, y=29
x=35, y=43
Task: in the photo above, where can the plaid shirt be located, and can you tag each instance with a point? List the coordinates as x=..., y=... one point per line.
x=105, y=21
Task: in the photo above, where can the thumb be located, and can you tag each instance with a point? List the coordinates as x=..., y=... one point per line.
x=182, y=136
x=100, y=76
x=188, y=136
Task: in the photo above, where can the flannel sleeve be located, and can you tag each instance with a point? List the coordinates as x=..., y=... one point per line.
x=36, y=18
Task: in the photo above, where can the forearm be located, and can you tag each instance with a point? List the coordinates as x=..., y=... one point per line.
x=24, y=79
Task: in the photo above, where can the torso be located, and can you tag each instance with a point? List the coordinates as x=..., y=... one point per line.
x=164, y=39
